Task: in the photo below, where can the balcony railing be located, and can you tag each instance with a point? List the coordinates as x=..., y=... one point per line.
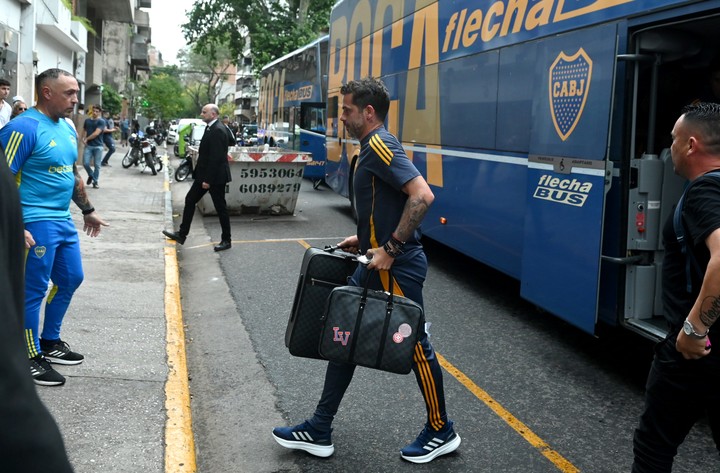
x=53, y=18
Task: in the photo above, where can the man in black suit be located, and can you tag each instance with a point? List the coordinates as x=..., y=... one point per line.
x=29, y=437
x=211, y=173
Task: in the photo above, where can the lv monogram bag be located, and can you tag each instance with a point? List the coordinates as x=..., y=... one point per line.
x=371, y=328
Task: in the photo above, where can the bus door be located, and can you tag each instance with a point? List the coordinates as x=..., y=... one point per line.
x=569, y=174
x=670, y=66
x=312, y=139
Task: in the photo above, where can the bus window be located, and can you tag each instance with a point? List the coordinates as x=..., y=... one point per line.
x=332, y=111
x=313, y=117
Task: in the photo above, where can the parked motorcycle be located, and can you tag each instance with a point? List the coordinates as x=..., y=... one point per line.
x=142, y=150
x=158, y=135
x=185, y=169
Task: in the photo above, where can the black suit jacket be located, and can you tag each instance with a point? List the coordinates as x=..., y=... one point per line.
x=212, y=164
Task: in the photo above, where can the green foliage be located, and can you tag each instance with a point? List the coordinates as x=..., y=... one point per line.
x=80, y=19
x=274, y=27
x=190, y=109
x=172, y=71
x=161, y=97
x=206, y=72
x=228, y=109
x=111, y=100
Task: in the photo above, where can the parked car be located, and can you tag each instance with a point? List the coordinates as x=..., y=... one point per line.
x=249, y=135
x=172, y=134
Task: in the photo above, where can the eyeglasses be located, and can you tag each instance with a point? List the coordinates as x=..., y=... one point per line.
x=22, y=109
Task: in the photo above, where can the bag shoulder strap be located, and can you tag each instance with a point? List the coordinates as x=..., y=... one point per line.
x=679, y=229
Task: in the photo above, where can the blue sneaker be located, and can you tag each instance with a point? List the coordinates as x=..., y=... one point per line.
x=430, y=444
x=305, y=437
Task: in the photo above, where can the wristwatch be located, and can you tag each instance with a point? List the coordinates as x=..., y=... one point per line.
x=689, y=330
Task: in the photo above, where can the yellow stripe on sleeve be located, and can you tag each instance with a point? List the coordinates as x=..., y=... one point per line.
x=12, y=146
x=381, y=149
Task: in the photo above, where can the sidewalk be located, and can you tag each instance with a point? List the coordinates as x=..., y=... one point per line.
x=111, y=411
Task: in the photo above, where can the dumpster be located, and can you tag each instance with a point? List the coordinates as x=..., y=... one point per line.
x=264, y=180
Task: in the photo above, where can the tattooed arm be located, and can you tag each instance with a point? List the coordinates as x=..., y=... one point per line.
x=419, y=199
x=79, y=195
x=92, y=221
x=706, y=310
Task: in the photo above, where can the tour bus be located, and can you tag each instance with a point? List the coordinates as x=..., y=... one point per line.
x=292, y=104
x=543, y=128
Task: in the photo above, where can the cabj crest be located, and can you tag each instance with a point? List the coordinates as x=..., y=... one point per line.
x=569, y=84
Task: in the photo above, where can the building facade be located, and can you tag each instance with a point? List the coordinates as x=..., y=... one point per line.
x=246, y=90
x=100, y=42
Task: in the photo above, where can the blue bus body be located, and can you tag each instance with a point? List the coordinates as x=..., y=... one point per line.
x=292, y=104
x=543, y=129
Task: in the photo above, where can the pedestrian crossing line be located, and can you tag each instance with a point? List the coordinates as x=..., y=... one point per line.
x=558, y=460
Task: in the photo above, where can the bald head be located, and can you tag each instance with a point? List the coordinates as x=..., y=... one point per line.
x=57, y=93
x=209, y=112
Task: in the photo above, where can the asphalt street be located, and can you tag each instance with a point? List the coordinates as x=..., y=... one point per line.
x=528, y=393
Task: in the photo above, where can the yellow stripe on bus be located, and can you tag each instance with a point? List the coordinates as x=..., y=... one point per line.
x=558, y=460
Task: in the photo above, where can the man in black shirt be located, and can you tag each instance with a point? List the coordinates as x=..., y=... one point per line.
x=684, y=381
x=29, y=437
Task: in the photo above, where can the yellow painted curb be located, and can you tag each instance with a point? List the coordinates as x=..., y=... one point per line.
x=179, y=441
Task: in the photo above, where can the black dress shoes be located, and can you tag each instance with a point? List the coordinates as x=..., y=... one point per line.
x=175, y=236
x=224, y=245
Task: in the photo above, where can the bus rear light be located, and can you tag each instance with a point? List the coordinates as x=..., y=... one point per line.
x=443, y=220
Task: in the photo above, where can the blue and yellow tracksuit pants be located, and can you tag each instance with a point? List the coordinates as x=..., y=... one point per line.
x=409, y=278
x=56, y=257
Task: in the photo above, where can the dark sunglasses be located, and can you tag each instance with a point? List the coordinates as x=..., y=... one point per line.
x=22, y=108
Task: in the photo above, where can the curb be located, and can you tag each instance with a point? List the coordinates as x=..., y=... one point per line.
x=179, y=441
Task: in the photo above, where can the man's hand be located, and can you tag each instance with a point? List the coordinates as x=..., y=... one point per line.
x=692, y=348
x=205, y=185
x=29, y=240
x=379, y=259
x=93, y=224
x=350, y=244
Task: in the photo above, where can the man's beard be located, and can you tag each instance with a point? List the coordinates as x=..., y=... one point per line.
x=352, y=130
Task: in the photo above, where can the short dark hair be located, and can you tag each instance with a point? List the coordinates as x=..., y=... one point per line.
x=5, y=82
x=369, y=91
x=47, y=75
x=704, y=117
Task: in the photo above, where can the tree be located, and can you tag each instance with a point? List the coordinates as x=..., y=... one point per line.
x=172, y=71
x=205, y=73
x=275, y=28
x=162, y=97
x=228, y=109
x=111, y=100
